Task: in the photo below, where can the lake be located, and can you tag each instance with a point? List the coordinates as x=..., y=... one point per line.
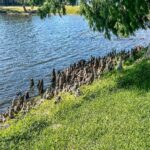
x=31, y=48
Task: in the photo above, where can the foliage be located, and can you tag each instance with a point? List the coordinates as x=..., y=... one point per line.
x=119, y=17
x=52, y=6
x=36, y=2
x=116, y=16
x=103, y=117
x=137, y=76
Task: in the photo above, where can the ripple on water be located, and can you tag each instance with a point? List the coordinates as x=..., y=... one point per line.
x=31, y=48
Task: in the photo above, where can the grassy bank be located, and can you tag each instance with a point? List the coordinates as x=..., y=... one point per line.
x=19, y=9
x=112, y=113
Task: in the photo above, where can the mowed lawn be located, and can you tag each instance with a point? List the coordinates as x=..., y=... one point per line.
x=112, y=113
x=19, y=9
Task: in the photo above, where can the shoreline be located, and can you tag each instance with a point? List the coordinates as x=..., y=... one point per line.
x=83, y=72
x=106, y=110
x=4, y=105
x=18, y=10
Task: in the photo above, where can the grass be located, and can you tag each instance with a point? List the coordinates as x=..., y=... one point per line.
x=19, y=9
x=72, y=9
x=14, y=9
x=112, y=113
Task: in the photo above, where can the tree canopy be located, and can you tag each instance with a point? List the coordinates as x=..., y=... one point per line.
x=120, y=17
x=36, y=2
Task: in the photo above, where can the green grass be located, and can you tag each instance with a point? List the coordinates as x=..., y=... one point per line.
x=112, y=113
x=19, y=9
x=14, y=9
x=72, y=9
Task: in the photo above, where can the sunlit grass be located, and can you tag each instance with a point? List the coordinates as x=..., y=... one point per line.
x=19, y=9
x=72, y=9
x=108, y=115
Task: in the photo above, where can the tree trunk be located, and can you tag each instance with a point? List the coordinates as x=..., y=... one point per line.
x=24, y=6
x=148, y=52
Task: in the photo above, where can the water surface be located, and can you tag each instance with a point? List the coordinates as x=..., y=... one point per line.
x=31, y=48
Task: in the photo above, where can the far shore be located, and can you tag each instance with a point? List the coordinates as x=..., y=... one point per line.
x=18, y=10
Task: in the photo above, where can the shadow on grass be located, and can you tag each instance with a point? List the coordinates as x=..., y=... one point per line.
x=26, y=135
x=136, y=77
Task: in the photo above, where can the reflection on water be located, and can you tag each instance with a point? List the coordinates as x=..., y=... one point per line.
x=31, y=48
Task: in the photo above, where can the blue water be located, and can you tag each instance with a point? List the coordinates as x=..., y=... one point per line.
x=31, y=48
